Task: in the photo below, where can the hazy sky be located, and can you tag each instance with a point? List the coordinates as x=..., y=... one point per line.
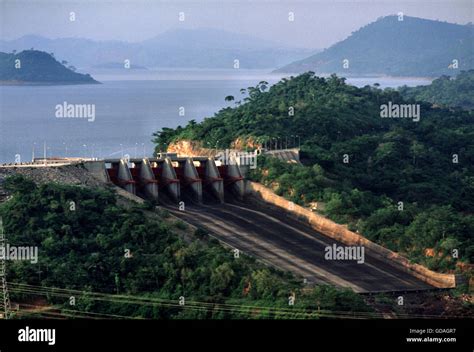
x=317, y=23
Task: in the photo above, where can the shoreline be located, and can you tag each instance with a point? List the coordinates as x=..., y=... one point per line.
x=46, y=83
x=368, y=75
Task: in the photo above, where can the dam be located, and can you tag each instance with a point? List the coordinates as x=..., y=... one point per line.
x=247, y=216
x=175, y=175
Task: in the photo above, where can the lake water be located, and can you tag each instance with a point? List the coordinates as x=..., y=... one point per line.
x=128, y=109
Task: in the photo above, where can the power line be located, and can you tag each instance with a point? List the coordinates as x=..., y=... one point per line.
x=73, y=313
x=193, y=305
x=208, y=306
x=5, y=308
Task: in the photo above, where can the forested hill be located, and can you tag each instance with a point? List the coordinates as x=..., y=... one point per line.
x=33, y=66
x=83, y=249
x=412, y=47
x=447, y=91
x=427, y=165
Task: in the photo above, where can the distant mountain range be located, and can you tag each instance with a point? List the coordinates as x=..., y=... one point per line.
x=38, y=67
x=181, y=48
x=412, y=47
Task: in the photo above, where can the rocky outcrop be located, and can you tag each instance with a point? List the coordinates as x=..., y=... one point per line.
x=195, y=148
x=190, y=148
x=242, y=143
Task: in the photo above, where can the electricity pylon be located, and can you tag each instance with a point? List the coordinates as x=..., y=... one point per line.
x=5, y=309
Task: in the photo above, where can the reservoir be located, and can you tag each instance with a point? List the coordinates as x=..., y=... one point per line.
x=128, y=109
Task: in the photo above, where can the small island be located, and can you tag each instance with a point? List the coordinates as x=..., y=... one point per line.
x=38, y=67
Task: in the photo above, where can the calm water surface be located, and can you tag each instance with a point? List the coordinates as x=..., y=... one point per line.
x=128, y=109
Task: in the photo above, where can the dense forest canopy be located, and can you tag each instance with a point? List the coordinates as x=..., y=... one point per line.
x=448, y=91
x=84, y=249
x=427, y=165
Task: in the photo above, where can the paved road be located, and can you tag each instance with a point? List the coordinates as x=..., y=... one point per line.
x=291, y=245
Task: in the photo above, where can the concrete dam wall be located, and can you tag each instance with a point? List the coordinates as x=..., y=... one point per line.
x=175, y=176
